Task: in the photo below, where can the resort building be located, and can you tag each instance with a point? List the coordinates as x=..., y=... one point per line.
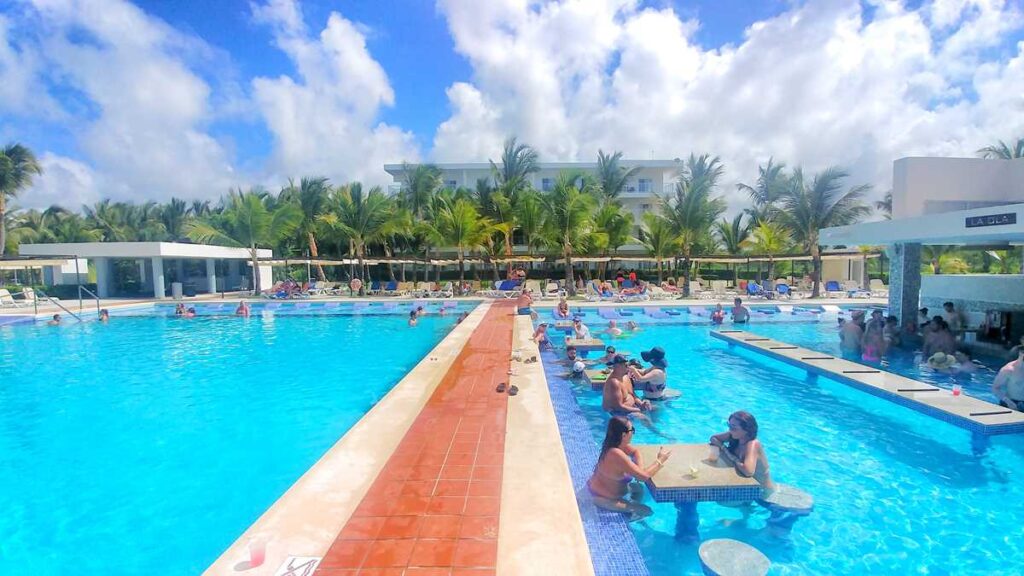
x=653, y=180
x=966, y=202
x=132, y=268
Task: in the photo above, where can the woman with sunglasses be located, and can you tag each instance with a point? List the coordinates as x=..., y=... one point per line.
x=618, y=465
x=741, y=448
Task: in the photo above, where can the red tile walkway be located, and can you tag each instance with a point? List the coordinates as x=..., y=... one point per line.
x=433, y=510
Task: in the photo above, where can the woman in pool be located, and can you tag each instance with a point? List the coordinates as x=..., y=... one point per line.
x=540, y=336
x=179, y=310
x=243, y=309
x=741, y=448
x=413, y=318
x=718, y=315
x=873, y=341
x=104, y=316
x=618, y=465
x=563, y=309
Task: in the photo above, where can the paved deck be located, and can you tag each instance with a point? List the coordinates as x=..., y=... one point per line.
x=434, y=507
x=964, y=411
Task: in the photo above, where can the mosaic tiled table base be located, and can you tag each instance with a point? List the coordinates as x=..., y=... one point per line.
x=612, y=545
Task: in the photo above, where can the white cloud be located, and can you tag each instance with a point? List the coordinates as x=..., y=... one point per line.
x=324, y=120
x=21, y=91
x=144, y=132
x=66, y=182
x=816, y=85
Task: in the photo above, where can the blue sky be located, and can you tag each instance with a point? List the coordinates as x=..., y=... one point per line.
x=158, y=98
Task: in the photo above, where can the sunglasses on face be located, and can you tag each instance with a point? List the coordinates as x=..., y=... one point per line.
x=630, y=430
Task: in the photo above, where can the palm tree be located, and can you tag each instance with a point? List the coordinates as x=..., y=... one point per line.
x=807, y=208
x=360, y=216
x=733, y=237
x=936, y=254
x=885, y=205
x=109, y=219
x=17, y=167
x=692, y=210
x=568, y=221
x=530, y=217
x=459, y=224
x=70, y=227
x=657, y=236
x=770, y=239
x=421, y=185
x=1002, y=151
x=612, y=227
x=518, y=161
x=247, y=222
x=766, y=192
x=199, y=209
x=173, y=216
x=611, y=177
x=311, y=197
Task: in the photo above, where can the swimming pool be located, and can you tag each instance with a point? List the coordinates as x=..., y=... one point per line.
x=148, y=445
x=896, y=492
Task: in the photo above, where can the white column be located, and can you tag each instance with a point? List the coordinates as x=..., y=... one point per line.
x=211, y=276
x=102, y=277
x=142, y=271
x=158, y=278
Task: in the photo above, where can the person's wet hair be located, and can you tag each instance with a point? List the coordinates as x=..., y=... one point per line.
x=617, y=428
x=747, y=423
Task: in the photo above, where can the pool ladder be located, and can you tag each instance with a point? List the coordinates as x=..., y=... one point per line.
x=57, y=303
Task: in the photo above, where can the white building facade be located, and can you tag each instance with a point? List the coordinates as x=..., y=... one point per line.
x=643, y=191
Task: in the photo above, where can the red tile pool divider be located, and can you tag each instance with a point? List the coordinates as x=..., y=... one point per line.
x=434, y=507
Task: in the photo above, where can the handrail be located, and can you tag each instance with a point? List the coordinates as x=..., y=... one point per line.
x=90, y=293
x=52, y=301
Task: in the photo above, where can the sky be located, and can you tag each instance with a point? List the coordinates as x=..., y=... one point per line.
x=154, y=99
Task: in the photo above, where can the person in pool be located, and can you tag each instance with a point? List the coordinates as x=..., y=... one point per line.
x=612, y=329
x=243, y=309
x=618, y=397
x=618, y=465
x=632, y=326
x=718, y=315
x=651, y=380
x=55, y=321
x=190, y=313
x=413, y=318
x=1009, y=384
x=873, y=340
x=609, y=353
x=104, y=316
x=580, y=330
x=179, y=310
x=740, y=313
x=540, y=336
x=462, y=317
x=740, y=447
x=571, y=356
x=563, y=309
x=850, y=335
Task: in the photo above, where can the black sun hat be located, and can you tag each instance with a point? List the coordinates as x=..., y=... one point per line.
x=655, y=356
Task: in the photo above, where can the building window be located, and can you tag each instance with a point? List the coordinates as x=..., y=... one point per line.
x=646, y=186
x=547, y=184
x=451, y=184
x=645, y=207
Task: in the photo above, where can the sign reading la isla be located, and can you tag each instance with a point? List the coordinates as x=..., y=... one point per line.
x=991, y=220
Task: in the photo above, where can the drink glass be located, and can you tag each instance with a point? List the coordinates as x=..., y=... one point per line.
x=713, y=453
x=956, y=389
x=257, y=553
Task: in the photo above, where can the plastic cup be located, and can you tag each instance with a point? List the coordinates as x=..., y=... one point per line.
x=257, y=553
x=956, y=389
x=713, y=453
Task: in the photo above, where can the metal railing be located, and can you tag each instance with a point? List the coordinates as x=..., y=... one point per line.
x=90, y=293
x=35, y=303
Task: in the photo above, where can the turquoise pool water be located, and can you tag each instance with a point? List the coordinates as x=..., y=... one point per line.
x=896, y=492
x=148, y=445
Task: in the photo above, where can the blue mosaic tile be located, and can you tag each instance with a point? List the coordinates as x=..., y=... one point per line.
x=612, y=544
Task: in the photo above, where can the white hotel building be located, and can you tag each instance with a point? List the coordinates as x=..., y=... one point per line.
x=656, y=178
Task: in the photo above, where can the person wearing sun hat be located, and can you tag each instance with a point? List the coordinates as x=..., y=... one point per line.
x=942, y=362
x=651, y=380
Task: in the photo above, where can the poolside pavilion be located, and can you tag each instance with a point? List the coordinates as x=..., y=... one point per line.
x=965, y=202
x=156, y=265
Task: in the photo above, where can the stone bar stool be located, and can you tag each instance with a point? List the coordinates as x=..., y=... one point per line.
x=727, y=557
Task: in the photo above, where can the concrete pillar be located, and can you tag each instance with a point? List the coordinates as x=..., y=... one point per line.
x=158, y=278
x=103, y=277
x=905, y=282
x=142, y=272
x=179, y=266
x=211, y=276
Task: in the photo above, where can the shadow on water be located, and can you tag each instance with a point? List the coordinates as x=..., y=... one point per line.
x=898, y=440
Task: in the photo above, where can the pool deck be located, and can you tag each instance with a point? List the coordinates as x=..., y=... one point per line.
x=964, y=411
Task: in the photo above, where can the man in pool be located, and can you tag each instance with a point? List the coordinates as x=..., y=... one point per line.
x=618, y=398
x=1009, y=384
x=612, y=329
x=740, y=313
x=524, y=303
x=104, y=316
x=571, y=356
x=243, y=309
x=55, y=321
x=580, y=330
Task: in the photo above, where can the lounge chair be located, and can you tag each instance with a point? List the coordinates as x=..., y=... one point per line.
x=832, y=289
x=782, y=289
x=854, y=290
x=446, y=291
x=594, y=293
x=878, y=287
x=754, y=290
x=551, y=290
x=8, y=301
x=658, y=293
x=390, y=289
x=534, y=287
